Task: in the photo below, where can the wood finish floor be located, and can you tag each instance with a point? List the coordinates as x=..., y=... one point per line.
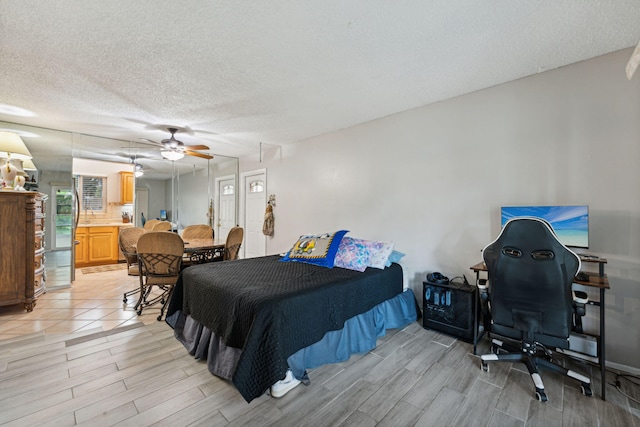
x=82, y=357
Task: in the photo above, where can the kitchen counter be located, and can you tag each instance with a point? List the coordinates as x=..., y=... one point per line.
x=106, y=224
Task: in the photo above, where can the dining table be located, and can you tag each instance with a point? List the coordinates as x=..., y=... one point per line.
x=204, y=250
x=199, y=251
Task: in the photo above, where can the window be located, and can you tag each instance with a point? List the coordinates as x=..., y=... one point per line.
x=227, y=190
x=92, y=192
x=256, y=187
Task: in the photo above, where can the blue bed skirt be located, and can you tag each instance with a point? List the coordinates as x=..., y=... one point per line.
x=359, y=334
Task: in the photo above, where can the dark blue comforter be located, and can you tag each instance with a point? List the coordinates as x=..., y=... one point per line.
x=271, y=309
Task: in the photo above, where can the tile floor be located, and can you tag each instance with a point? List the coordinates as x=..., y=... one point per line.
x=442, y=372
x=58, y=267
x=94, y=302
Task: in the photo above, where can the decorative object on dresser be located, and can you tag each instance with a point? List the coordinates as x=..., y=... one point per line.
x=9, y=173
x=18, y=183
x=12, y=147
x=22, y=257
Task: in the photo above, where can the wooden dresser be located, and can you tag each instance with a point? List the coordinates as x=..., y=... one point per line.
x=22, y=226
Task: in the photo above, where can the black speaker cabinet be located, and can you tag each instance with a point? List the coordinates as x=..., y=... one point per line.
x=449, y=308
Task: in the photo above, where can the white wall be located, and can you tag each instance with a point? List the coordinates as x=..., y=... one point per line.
x=193, y=189
x=193, y=198
x=157, y=196
x=433, y=179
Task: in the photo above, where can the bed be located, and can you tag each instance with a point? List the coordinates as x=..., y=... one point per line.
x=253, y=319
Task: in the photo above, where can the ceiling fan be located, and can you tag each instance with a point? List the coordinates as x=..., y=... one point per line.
x=138, y=168
x=173, y=150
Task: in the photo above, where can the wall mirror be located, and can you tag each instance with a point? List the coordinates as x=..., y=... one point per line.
x=51, y=151
x=185, y=189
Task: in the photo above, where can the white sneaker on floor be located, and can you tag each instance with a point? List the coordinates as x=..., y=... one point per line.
x=285, y=385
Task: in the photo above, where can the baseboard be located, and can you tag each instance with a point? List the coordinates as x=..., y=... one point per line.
x=615, y=366
x=622, y=368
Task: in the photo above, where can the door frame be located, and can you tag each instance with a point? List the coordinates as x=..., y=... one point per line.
x=243, y=202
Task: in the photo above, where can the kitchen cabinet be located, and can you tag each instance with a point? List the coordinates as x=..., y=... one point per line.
x=22, y=231
x=82, y=254
x=126, y=188
x=97, y=245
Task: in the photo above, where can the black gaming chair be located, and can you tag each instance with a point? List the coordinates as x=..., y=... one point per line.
x=530, y=298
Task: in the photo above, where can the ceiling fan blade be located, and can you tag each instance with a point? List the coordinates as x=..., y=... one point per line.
x=196, y=154
x=148, y=141
x=197, y=147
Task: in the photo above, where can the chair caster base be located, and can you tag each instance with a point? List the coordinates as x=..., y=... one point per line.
x=541, y=395
x=586, y=389
x=484, y=366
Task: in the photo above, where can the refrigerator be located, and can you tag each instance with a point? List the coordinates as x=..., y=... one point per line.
x=76, y=218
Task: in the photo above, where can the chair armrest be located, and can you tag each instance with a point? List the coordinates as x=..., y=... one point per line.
x=483, y=288
x=580, y=297
x=580, y=300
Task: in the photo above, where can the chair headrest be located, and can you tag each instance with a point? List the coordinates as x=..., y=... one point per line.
x=533, y=236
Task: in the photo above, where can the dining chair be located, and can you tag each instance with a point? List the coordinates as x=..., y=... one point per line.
x=150, y=224
x=232, y=245
x=127, y=239
x=162, y=226
x=159, y=261
x=198, y=231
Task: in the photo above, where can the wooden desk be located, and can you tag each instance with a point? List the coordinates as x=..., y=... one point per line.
x=203, y=250
x=596, y=280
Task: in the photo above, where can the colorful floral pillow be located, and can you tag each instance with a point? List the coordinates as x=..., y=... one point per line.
x=317, y=249
x=358, y=254
x=380, y=254
x=353, y=254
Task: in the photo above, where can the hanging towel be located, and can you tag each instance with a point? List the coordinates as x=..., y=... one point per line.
x=267, y=227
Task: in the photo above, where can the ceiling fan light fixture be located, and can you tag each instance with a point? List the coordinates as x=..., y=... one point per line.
x=138, y=170
x=172, y=155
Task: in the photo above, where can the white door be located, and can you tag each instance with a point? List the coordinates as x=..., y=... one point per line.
x=225, y=206
x=254, y=185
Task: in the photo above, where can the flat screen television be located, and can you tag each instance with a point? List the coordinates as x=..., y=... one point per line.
x=571, y=223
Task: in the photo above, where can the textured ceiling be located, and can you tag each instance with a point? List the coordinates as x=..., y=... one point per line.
x=235, y=74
